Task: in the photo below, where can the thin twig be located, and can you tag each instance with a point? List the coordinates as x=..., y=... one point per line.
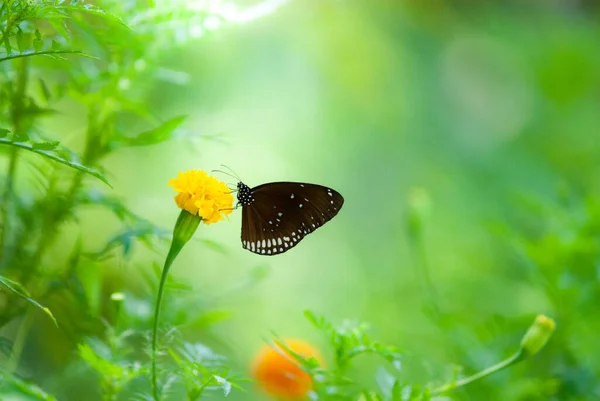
x=45, y=53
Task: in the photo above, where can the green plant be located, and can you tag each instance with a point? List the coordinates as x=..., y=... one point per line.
x=350, y=341
x=68, y=58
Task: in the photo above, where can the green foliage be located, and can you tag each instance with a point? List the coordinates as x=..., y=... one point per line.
x=113, y=376
x=41, y=82
x=203, y=371
x=10, y=384
x=52, y=152
x=157, y=135
x=20, y=291
x=444, y=108
x=351, y=340
x=348, y=342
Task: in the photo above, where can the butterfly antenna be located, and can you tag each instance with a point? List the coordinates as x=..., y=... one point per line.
x=226, y=173
x=233, y=172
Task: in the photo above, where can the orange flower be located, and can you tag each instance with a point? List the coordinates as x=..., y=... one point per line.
x=280, y=375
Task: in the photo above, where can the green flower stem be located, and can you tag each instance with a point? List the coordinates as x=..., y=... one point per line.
x=533, y=341
x=185, y=227
x=517, y=357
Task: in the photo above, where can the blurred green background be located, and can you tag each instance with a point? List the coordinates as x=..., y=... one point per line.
x=465, y=138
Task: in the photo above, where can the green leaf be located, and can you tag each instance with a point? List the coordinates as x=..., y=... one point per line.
x=59, y=26
x=7, y=46
x=88, y=8
x=224, y=383
x=45, y=145
x=56, y=45
x=97, y=363
x=157, y=135
x=38, y=42
x=54, y=156
x=312, y=319
x=210, y=317
x=51, y=53
x=141, y=231
x=6, y=346
x=20, y=137
x=21, y=41
x=44, y=89
x=26, y=389
x=397, y=391
x=4, y=132
x=18, y=289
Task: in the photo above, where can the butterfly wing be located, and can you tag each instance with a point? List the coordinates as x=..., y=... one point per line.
x=283, y=213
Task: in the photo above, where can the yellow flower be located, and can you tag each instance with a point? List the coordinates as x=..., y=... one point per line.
x=279, y=375
x=202, y=195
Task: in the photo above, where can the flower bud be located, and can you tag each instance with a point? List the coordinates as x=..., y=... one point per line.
x=538, y=335
x=185, y=227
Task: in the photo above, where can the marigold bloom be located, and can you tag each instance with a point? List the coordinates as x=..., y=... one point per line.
x=280, y=375
x=202, y=195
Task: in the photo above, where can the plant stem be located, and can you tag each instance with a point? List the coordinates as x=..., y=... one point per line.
x=517, y=357
x=185, y=227
x=17, y=125
x=420, y=257
x=176, y=247
x=42, y=53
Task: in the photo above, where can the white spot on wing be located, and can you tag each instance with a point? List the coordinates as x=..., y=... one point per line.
x=264, y=243
x=292, y=197
x=279, y=242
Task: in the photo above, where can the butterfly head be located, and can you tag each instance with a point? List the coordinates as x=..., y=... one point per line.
x=244, y=194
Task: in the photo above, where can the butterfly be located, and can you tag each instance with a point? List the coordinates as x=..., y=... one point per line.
x=276, y=216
